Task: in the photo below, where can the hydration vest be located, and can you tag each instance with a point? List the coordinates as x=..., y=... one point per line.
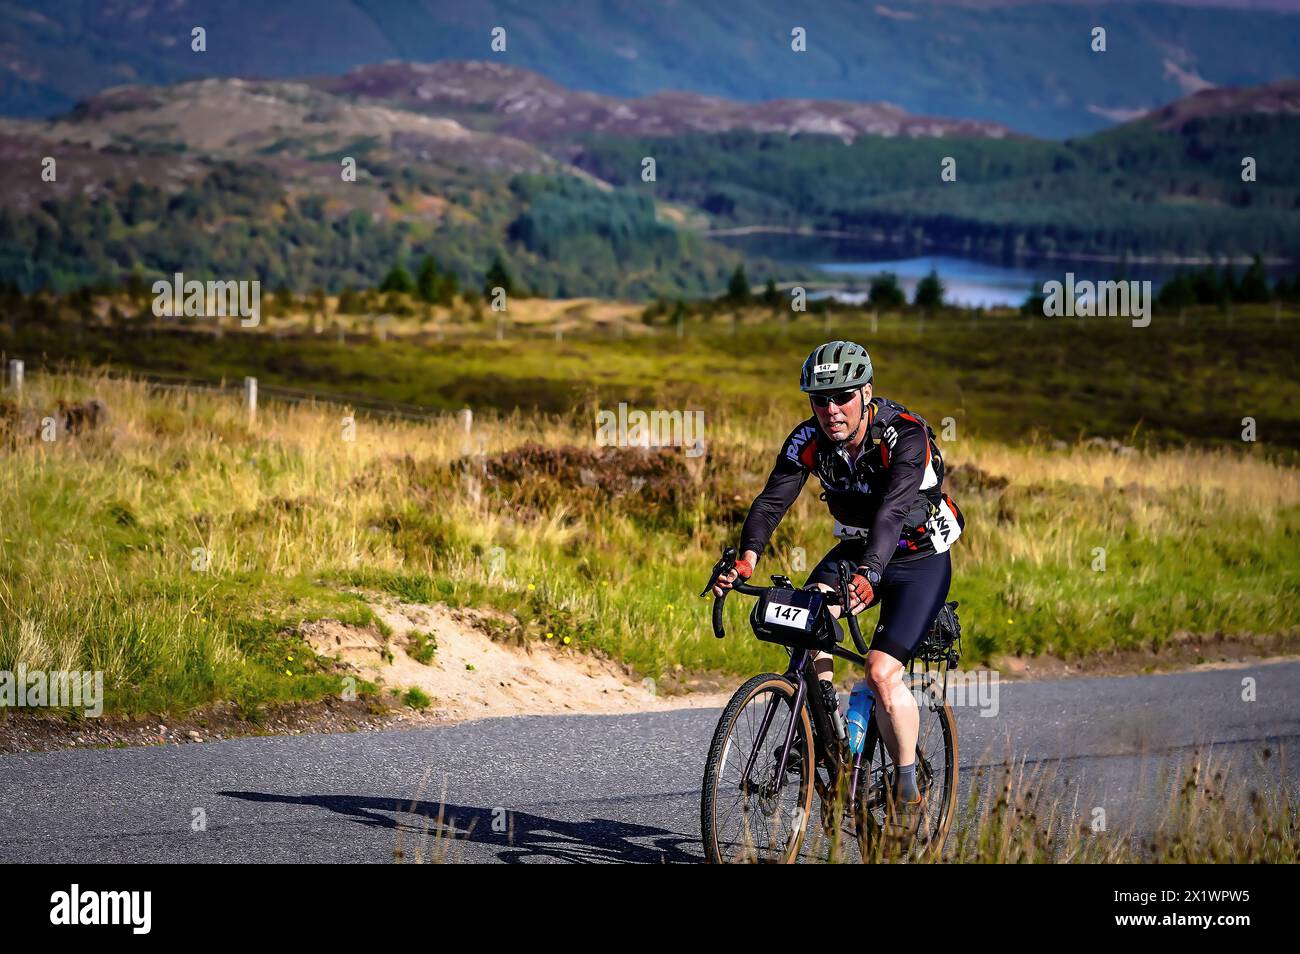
x=853, y=492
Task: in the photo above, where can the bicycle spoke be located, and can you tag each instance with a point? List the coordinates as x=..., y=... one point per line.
x=757, y=816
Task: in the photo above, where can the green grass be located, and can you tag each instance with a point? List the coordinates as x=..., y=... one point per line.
x=422, y=647
x=97, y=560
x=996, y=375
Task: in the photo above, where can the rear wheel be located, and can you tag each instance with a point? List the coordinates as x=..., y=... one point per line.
x=760, y=815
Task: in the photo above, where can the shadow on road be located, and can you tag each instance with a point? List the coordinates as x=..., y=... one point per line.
x=525, y=835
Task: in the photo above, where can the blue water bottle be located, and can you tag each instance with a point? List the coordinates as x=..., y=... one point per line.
x=860, y=702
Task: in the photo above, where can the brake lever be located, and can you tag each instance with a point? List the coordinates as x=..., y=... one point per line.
x=725, y=565
x=843, y=571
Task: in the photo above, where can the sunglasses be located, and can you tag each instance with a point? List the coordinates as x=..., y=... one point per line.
x=842, y=399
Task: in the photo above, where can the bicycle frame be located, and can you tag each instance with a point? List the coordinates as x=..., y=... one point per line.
x=798, y=673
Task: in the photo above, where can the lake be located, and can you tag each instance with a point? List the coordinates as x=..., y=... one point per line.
x=969, y=282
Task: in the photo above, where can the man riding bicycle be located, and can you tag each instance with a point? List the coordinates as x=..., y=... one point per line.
x=882, y=479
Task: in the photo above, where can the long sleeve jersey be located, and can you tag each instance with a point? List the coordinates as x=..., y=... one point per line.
x=890, y=496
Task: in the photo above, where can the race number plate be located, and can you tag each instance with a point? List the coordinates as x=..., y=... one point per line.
x=791, y=609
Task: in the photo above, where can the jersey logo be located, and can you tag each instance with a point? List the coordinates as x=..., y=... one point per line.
x=798, y=439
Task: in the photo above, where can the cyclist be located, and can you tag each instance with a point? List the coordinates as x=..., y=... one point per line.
x=882, y=477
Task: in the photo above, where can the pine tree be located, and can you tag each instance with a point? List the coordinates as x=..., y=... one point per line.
x=1205, y=283
x=929, y=292
x=885, y=292
x=738, y=287
x=1176, y=294
x=428, y=280
x=498, y=276
x=1254, y=284
x=448, y=289
x=398, y=279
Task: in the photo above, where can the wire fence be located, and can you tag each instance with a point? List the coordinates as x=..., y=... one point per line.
x=172, y=381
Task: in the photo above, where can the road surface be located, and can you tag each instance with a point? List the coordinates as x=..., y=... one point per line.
x=587, y=788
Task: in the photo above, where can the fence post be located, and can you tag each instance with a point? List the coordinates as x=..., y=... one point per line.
x=15, y=374
x=250, y=397
x=467, y=419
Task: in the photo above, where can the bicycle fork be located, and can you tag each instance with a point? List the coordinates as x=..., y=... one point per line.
x=801, y=693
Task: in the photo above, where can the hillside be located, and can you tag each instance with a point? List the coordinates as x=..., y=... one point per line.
x=239, y=177
x=1265, y=102
x=522, y=103
x=236, y=177
x=1026, y=66
x=1168, y=185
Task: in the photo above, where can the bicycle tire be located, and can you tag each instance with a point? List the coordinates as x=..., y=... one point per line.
x=722, y=750
x=936, y=774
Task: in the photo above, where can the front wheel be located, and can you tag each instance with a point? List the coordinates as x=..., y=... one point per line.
x=752, y=810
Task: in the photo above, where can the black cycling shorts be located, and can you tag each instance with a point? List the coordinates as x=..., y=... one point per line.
x=910, y=595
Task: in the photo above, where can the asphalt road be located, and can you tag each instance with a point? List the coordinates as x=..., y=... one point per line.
x=588, y=788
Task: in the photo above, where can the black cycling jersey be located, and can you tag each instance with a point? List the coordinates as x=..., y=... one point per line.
x=891, y=497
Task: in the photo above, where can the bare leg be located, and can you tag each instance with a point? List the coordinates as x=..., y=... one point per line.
x=824, y=663
x=896, y=711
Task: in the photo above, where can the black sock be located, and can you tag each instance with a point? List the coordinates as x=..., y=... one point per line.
x=905, y=783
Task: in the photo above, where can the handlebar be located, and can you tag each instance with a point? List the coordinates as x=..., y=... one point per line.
x=844, y=572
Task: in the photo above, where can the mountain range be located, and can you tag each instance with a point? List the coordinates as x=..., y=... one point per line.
x=1026, y=66
x=472, y=161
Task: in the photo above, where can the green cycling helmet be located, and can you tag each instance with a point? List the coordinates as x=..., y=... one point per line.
x=836, y=366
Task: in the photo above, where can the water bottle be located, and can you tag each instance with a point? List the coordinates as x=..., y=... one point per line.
x=860, y=702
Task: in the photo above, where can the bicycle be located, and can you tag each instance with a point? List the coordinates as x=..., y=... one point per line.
x=807, y=749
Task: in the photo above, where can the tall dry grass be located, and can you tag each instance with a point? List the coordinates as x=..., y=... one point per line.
x=104, y=534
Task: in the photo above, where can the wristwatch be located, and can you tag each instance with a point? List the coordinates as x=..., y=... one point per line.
x=872, y=576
